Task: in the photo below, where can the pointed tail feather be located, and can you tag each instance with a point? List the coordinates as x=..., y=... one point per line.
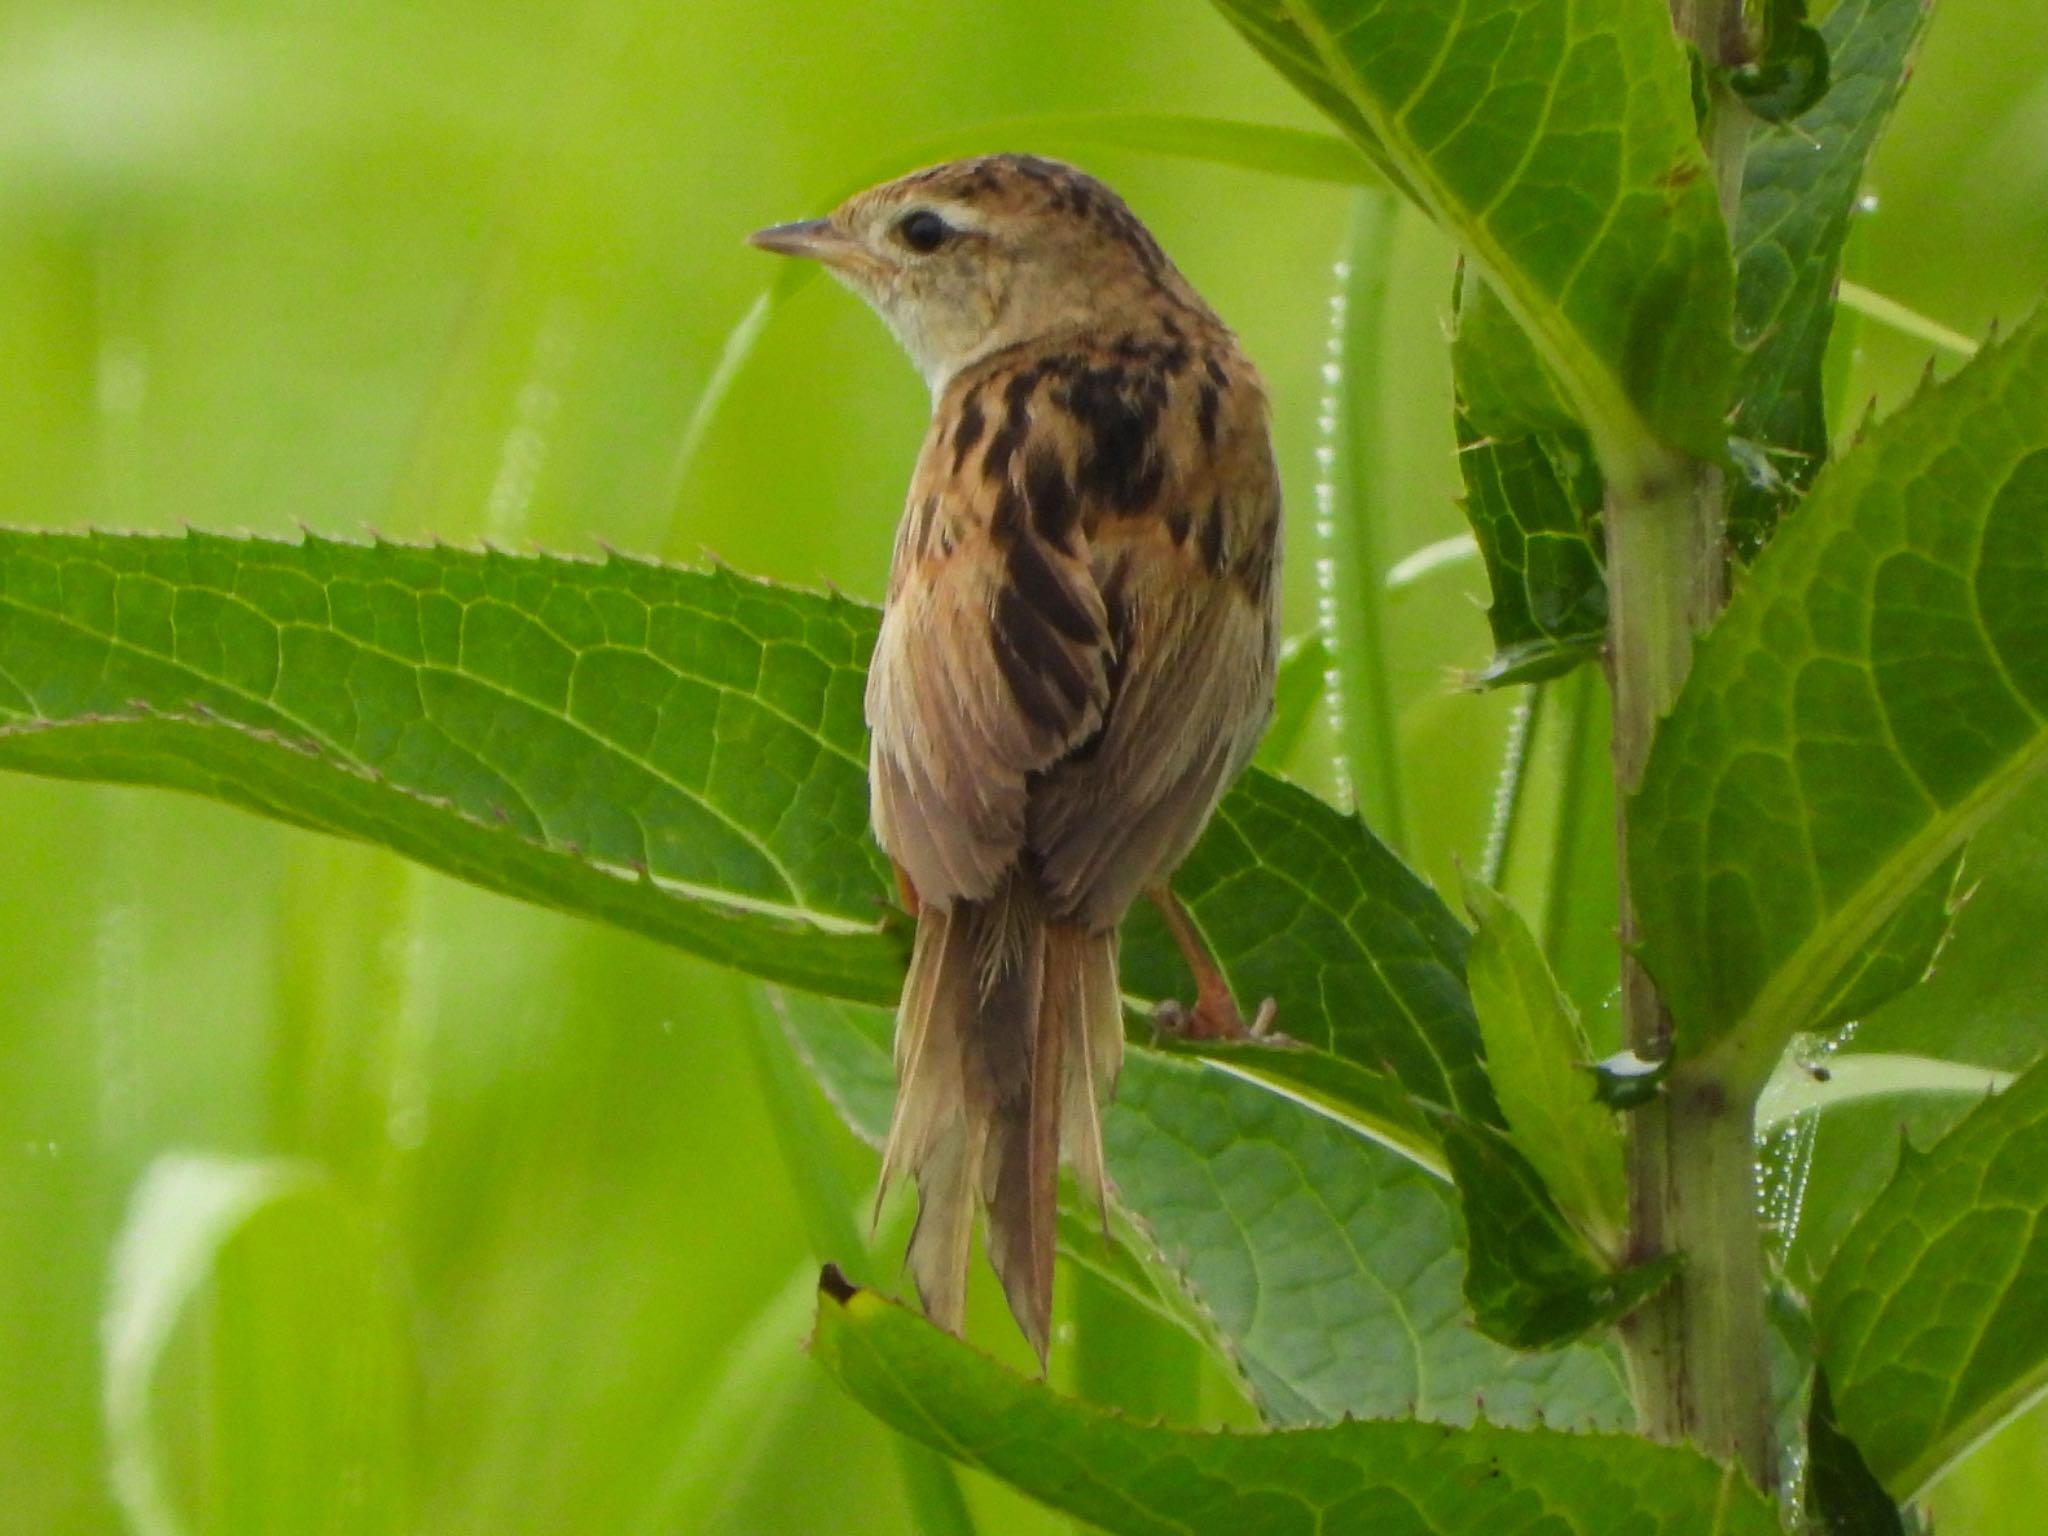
x=1007, y=1043
x=1093, y=1015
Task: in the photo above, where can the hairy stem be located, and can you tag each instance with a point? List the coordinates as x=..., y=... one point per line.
x=1696, y=1351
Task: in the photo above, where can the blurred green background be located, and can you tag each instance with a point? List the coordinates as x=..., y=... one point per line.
x=461, y=269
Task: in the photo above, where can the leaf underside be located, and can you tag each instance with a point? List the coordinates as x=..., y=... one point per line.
x=1387, y=1477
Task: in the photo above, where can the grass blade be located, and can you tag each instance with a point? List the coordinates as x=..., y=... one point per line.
x=803, y=1131
x=1349, y=565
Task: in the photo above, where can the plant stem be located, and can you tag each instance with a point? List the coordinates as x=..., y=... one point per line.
x=1696, y=1351
x=1350, y=503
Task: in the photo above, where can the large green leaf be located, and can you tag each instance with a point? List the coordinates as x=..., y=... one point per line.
x=679, y=752
x=1385, y=1477
x=1301, y=903
x=674, y=751
x=1799, y=188
x=1556, y=144
x=1332, y=1267
x=1875, y=692
x=1933, y=1317
x=1529, y=500
x=1326, y=1268
x=1984, y=1003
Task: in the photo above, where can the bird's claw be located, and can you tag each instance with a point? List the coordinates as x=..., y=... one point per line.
x=1212, y=1018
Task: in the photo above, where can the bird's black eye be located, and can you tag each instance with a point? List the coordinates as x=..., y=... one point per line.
x=922, y=230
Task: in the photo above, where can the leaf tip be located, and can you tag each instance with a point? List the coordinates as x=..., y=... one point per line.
x=832, y=1282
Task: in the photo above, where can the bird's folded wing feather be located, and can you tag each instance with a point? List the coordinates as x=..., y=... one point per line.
x=992, y=664
x=1192, y=690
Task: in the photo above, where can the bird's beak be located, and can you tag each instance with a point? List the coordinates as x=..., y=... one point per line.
x=815, y=238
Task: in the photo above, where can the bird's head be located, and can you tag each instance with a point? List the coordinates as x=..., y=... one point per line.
x=967, y=258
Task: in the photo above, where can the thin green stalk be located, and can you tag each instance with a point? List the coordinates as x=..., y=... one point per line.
x=1909, y=322
x=1350, y=564
x=1511, y=789
x=1579, y=915
x=732, y=357
x=803, y=1137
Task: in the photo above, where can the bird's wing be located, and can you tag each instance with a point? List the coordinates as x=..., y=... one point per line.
x=993, y=658
x=1190, y=604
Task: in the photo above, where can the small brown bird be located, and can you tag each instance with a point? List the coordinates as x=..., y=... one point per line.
x=1076, y=658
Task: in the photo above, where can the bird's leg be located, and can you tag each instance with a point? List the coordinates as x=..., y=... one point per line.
x=1215, y=1015
x=906, y=890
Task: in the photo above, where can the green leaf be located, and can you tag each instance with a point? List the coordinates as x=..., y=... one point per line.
x=1876, y=691
x=1389, y=1478
x=1532, y=1280
x=678, y=752
x=303, y=1400
x=1371, y=1103
x=1331, y=1266
x=1300, y=903
x=1799, y=189
x=1293, y=1244
x=1503, y=385
x=1297, y=690
x=1933, y=1316
x=1830, y=1081
x=1556, y=144
x=1982, y=1004
x=1901, y=954
x=1530, y=500
x=1628, y=1081
x=1536, y=1056
x=1791, y=75
x=1841, y=1496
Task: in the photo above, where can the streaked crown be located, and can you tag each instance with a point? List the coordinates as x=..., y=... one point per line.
x=973, y=256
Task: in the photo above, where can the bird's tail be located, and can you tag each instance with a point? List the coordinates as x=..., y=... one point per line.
x=1008, y=1043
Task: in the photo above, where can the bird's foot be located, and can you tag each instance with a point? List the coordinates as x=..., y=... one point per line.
x=1214, y=1017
